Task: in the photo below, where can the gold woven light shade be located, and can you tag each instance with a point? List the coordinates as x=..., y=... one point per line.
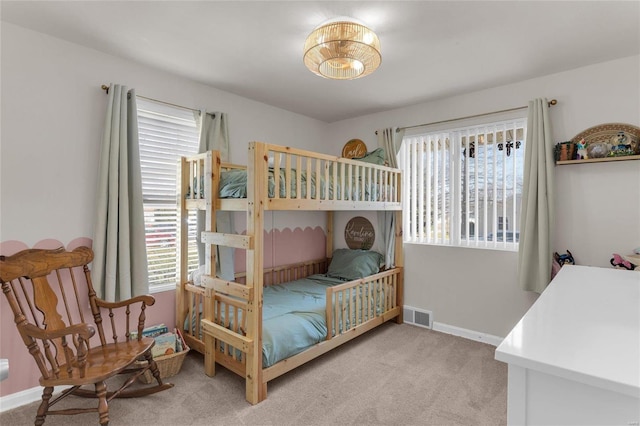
x=342, y=50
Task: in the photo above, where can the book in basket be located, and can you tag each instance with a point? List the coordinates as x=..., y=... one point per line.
x=165, y=345
x=153, y=331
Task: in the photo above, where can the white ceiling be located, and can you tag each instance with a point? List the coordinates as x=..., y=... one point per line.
x=430, y=49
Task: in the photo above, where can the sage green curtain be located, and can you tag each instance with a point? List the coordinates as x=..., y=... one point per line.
x=120, y=263
x=214, y=135
x=390, y=140
x=537, y=217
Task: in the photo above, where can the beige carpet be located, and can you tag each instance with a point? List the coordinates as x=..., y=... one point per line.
x=393, y=375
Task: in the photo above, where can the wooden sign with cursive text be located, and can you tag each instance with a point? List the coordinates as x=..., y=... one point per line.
x=359, y=233
x=355, y=148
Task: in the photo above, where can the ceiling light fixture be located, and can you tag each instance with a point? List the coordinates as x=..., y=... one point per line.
x=342, y=49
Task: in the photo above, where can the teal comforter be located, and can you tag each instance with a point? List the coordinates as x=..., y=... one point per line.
x=294, y=317
x=233, y=184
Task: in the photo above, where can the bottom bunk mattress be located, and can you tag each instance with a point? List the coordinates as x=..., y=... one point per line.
x=294, y=317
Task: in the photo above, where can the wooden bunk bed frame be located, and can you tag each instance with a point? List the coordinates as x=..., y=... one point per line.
x=237, y=344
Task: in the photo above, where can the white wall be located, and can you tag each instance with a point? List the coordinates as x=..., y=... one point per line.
x=598, y=205
x=52, y=119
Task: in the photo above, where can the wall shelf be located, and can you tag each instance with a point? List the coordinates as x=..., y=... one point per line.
x=599, y=160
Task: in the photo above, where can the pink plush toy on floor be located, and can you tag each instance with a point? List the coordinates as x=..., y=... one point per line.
x=618, y=260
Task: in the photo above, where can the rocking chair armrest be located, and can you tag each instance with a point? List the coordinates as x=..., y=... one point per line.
x=142, y=301
x=82, y=329
x=146, y=299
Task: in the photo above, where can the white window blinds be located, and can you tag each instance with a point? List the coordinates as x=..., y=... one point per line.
x=463, y=186
x=165, y=133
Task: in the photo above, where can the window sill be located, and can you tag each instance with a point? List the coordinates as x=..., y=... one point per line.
x=161, y=288
x=510, y=247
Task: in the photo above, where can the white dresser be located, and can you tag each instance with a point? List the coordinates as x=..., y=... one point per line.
x=574, y=358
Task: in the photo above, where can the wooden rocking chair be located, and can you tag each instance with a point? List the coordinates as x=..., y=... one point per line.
x=50, y=293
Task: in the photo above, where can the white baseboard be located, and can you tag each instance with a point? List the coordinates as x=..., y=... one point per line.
x=25, y=397
x=467, y=334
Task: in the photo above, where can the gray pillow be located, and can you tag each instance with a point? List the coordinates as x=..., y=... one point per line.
x=350, y=264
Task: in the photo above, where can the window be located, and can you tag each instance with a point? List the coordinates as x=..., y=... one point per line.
x=165, y=133
x=463, y=186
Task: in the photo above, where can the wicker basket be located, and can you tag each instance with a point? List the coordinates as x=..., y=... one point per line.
x=168, y=365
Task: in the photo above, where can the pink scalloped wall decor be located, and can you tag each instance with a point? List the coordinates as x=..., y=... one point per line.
x=283, y=247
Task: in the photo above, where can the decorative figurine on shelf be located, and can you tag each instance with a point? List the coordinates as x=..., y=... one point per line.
x=581, y=150
x=565, y=151
x=620, y=140
x=598, y=150
x=621, y=145
x=618, y=261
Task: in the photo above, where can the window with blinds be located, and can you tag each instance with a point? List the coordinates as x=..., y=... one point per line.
x=165, y=134
x=463, y=186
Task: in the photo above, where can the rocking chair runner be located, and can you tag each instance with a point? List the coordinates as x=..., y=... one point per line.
x=44, y=290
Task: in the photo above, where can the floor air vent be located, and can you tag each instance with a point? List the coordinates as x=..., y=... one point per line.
x=418, y=317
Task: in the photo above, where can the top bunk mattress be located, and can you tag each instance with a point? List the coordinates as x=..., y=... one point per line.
x=233, y=184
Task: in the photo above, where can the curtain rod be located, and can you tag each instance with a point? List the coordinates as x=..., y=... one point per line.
x=550, y=103
x=106, y=89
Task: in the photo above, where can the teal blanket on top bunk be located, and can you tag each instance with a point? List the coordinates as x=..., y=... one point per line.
x=233, y=184
x=294, y=317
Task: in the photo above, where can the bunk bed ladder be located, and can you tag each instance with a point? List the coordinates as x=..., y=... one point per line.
x=226, y=301
x=224, y=323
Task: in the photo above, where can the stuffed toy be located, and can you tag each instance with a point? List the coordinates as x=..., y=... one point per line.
x=559, y=260
x=621, y=262
x=564, y=259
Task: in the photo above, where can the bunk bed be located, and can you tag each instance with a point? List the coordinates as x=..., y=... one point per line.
x=234, y=323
